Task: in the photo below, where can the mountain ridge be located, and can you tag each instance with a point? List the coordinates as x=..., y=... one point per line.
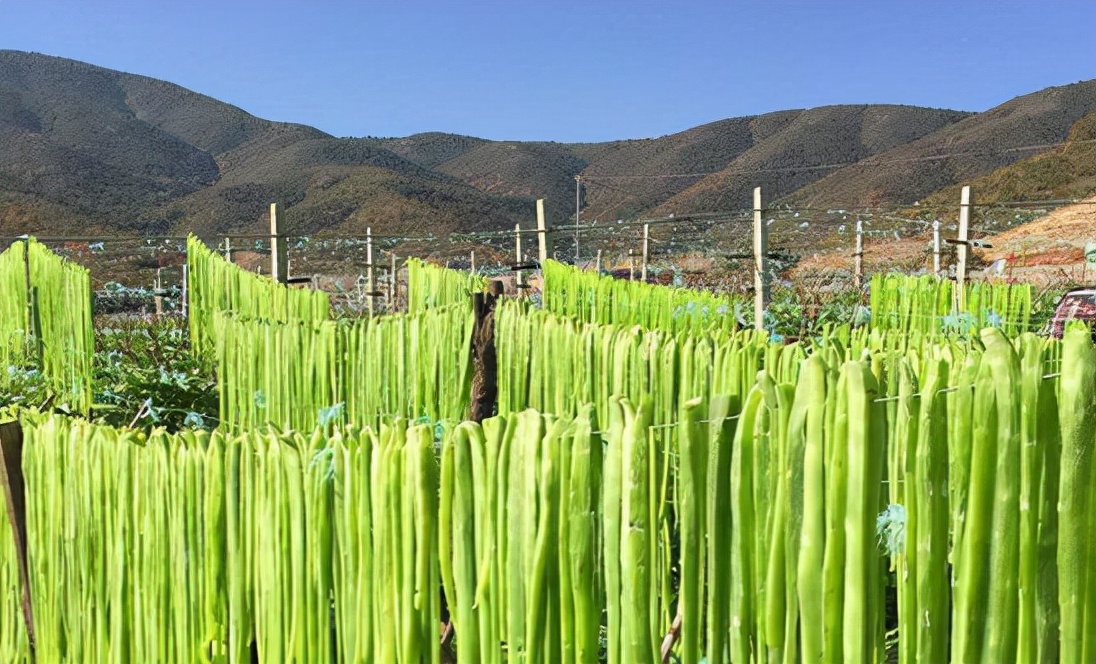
x=84, y=147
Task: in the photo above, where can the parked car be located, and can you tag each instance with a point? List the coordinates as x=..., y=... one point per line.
x=1077, y=304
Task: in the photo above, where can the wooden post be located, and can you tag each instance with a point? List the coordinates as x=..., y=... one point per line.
x=484, y=354
x=279, y=269
x=578, y=205
x=631, y=264
x=597, y=265
x=473, y=258
x=542, y=232
x=936, y=247
x=646, y=251
x=517, y=253
x=392, y=285
x=30, y=329
x=33, y=332
x=228, y=249
x=761, y=262
x=159, y=298
x=14, y=488
x=858, y=257
x=369, y=281
x=961, y=253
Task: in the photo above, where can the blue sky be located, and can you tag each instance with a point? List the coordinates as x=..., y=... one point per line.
x=562, y=70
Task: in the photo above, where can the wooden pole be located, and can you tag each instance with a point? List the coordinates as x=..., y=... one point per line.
x=228, y=249
x=761, y=263
x=159, y=299
x=542, y=231
x=517, y=252
x=858, y=257
x=369, y=280
x=631, y=264
x=936, y=247
x=184, y=297
x=578, y=204
x=961, y=253
x=646, y=251
x=392, y=276
x=279, y=269
x=485, y=382
x=14, y=489
x=597, y=265
x=473, y=261
x=32, y=332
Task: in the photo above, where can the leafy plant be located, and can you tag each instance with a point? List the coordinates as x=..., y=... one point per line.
x=145, y=374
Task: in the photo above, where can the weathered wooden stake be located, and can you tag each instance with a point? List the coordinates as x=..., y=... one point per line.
x=369, y=280
x=34, y=324
x=961, y=252
x=158, y=299
x=484, y=354
x=392, y=285
x=761, y=262
x=517, y=252
x=279, y=267
x=228, y=249
x=597, y=265
x=646, y=251
x=858, y=257
x=184, y=295
x=631, y=264
x=473, y=259
x=542, y=231
x=936, y=247
x=14, y=487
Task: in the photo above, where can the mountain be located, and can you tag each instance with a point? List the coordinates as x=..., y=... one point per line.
x=1064, y=172
x=807, y=149
x=87, y=150
x=975, y=146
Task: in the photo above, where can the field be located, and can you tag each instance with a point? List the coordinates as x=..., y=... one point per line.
x=600, y=470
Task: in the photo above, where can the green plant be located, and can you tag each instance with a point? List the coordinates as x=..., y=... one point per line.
x=145, y=374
